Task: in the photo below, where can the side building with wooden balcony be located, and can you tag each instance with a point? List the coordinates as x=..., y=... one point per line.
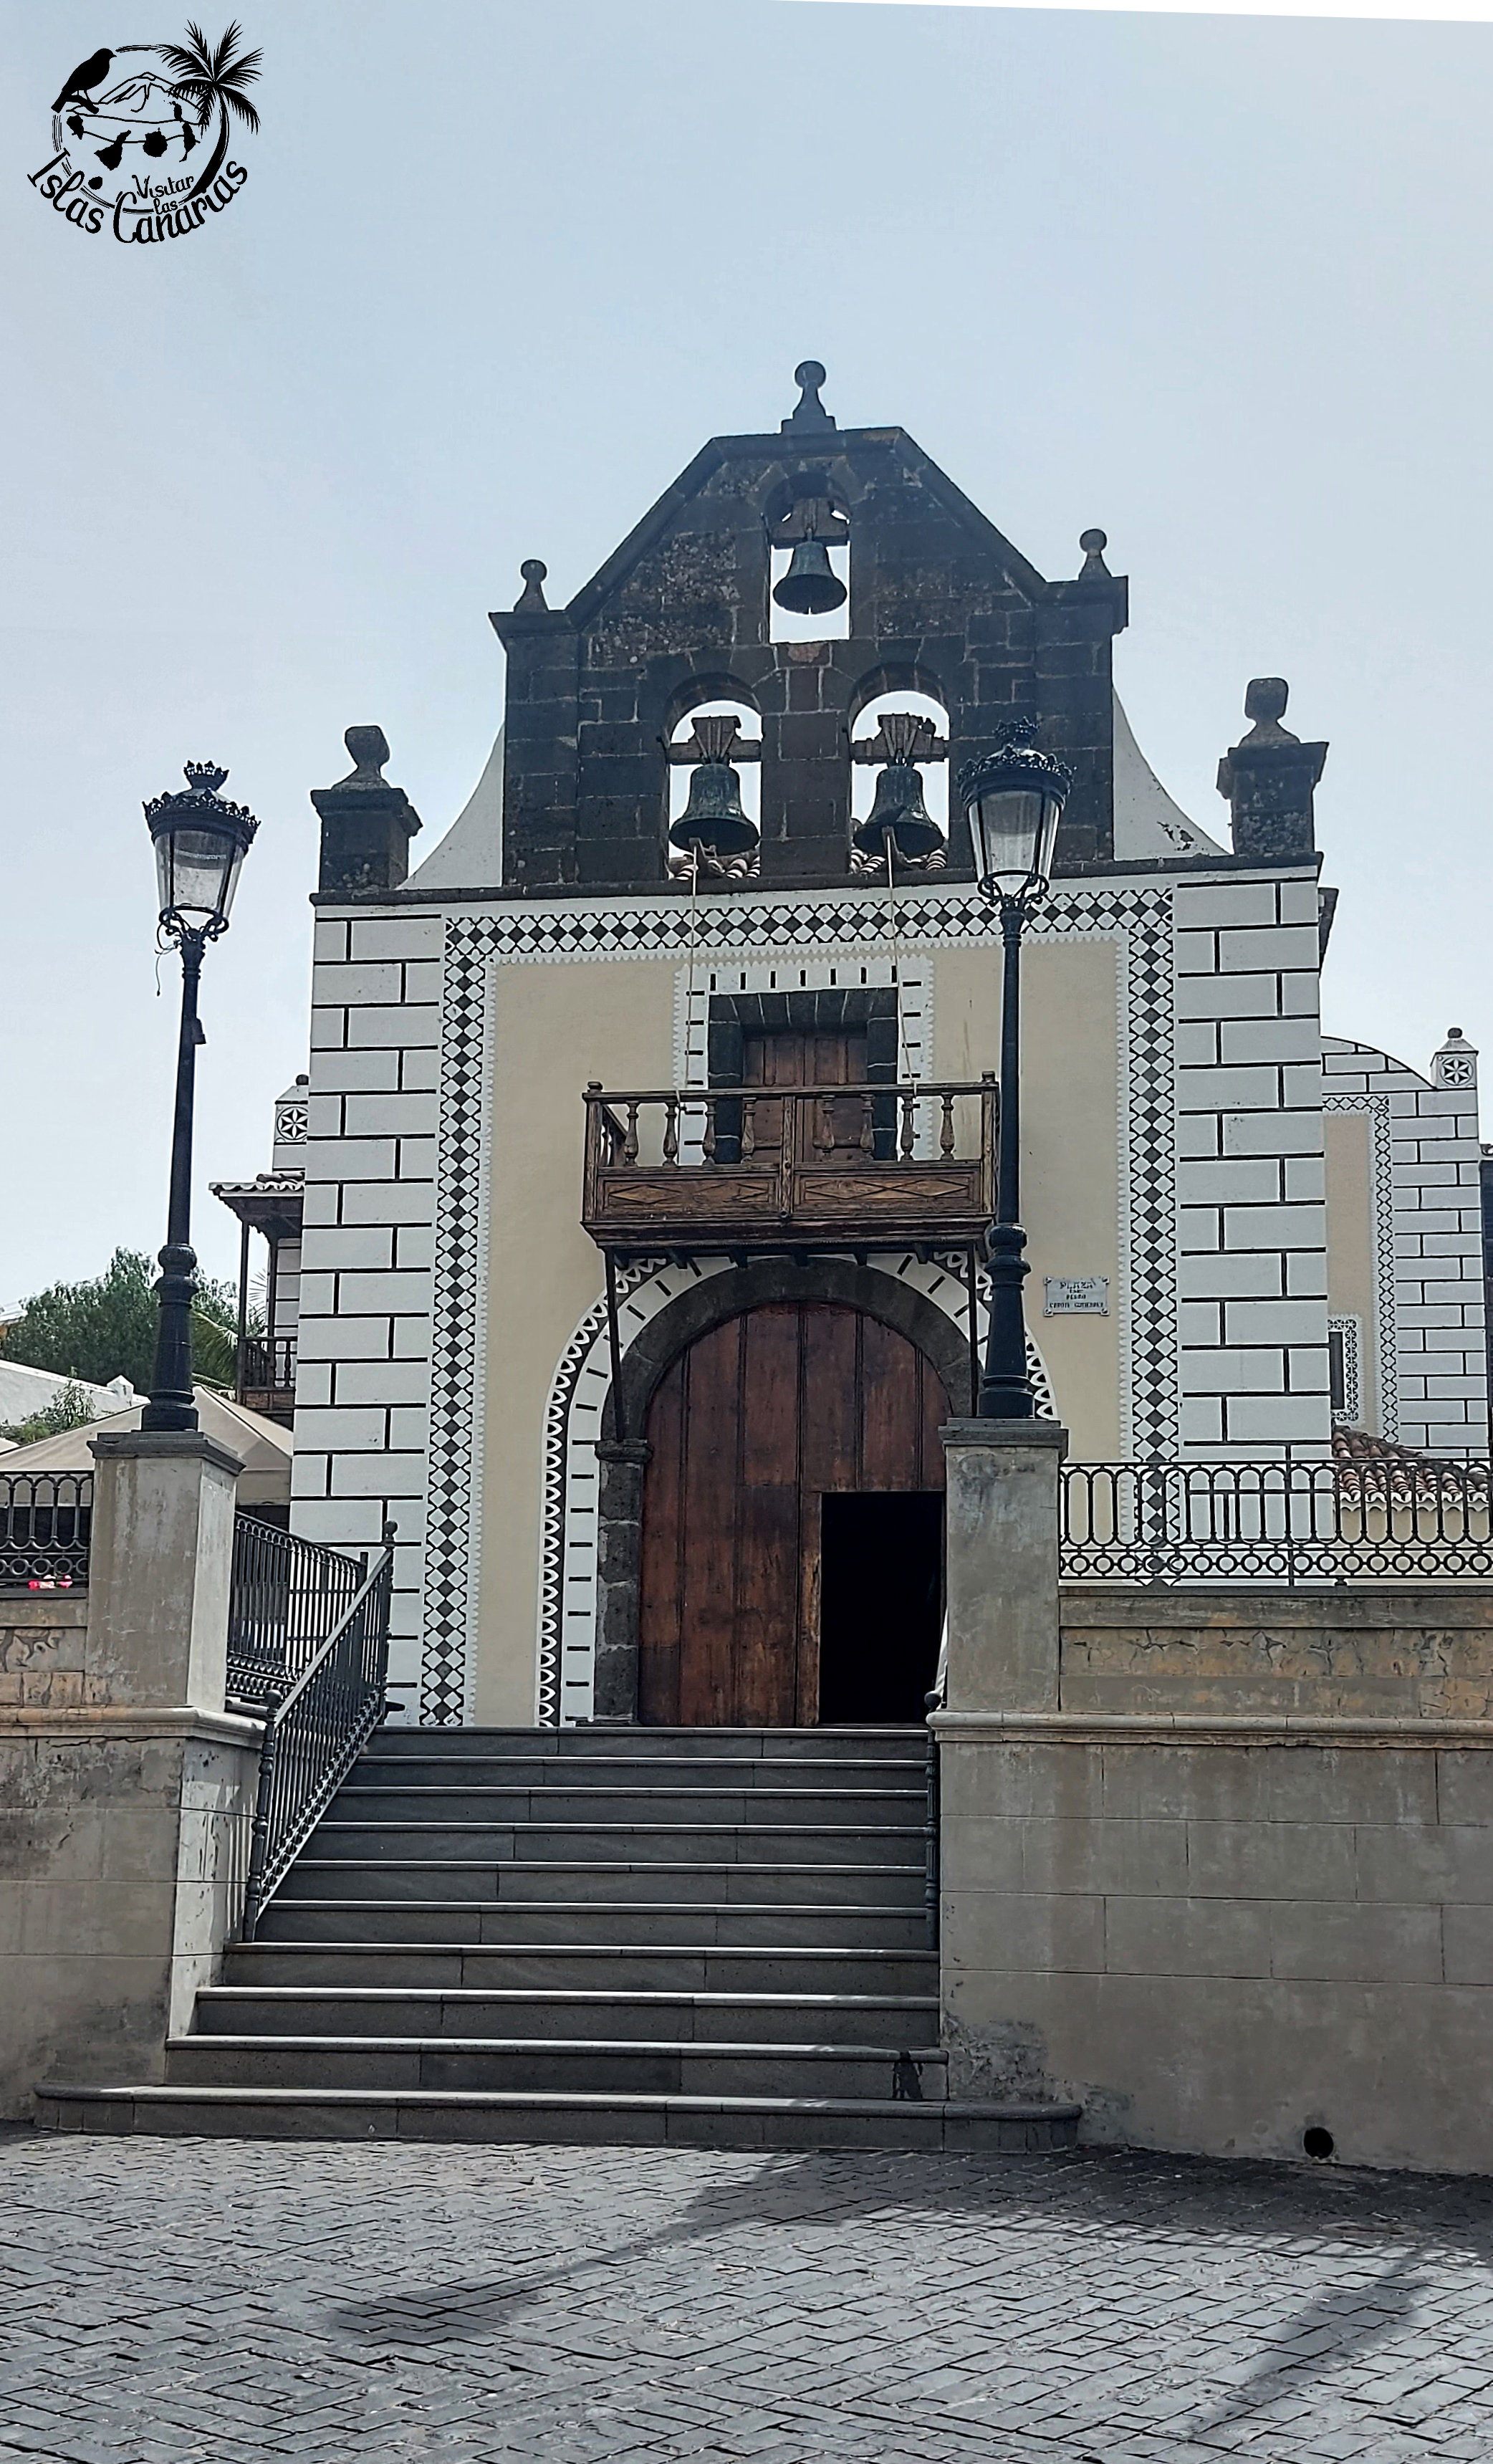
x=649, y=1128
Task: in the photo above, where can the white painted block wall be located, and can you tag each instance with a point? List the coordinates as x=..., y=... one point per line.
x=363, y=1381
x=1429, y=1209
x=1251, y=1196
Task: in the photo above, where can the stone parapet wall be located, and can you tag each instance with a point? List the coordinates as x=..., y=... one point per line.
x=124, y=1849
x=43, y=1648
x=1386, y=1651
x=1220, y=1936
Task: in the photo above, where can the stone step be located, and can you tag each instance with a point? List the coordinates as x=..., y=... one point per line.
x=591, y=1923
x=569, y=1879
x=577, y=1802
x=534, y=2066
x=564, y=2013
x=780, y=1745
x=554, y=1965
x=434, y=1768
x=549, y=2119
x=885, y=1847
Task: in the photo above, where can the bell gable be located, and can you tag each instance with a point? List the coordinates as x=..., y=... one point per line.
x=939, y=603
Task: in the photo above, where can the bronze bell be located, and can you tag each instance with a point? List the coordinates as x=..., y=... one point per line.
x=899, y=813
x=714, y=816
x=811, y=586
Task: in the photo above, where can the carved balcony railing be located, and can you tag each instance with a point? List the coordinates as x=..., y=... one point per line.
x=267, y=1375
x=750, y=1168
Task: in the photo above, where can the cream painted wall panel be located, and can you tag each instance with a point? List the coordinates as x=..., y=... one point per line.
x=1351, y=1275
x=1069, y=1146
x=554, y=1028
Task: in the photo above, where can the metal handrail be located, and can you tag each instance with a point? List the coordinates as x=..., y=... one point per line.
x=46, y=1525
x=1393, y=1515
x=316, y=1733
x=286, y=1595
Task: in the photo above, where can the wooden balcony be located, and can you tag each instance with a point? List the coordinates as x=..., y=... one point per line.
x=738, y=1168
x=267, y=1377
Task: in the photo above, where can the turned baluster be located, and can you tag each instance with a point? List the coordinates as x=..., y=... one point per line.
x=748, y=1128
x=908, y=1124
x=670, y=1129
x=945, y=1132
x=629, y=1144
x=867, y=1125
x=708, y=1141
x=824, y=1126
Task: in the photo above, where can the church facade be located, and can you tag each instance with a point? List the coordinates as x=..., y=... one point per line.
x=648, y=1136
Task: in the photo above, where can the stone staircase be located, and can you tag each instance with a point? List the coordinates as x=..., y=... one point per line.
x=700, y=1936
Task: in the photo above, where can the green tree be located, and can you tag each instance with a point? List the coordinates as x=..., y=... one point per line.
x=68, y=1410
x=213, y=80
x=107, y=1328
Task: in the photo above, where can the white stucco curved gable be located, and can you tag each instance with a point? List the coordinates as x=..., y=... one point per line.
x=1148, y=822
x=471, y=854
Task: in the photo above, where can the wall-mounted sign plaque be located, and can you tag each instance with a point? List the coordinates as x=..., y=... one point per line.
x=1076, y=1296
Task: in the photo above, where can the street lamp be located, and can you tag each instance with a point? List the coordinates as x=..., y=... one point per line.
x=1013, y=800
x=200, y=843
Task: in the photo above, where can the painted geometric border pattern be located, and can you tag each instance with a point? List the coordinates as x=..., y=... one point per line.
x=1386, y=1331
x=1140, y=918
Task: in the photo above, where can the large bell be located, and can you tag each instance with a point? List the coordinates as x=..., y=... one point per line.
x=713, y=817
x=899, y=813
x=811, y=586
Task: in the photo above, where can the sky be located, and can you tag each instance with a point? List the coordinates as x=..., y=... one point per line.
x=1219, y=285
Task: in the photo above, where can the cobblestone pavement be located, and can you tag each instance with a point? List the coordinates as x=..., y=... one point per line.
x=169, y=2300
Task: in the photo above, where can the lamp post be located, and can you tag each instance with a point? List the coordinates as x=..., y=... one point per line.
x=1013, y=799
x=200, y=842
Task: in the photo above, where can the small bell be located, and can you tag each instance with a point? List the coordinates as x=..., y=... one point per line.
x=811, y=586
x=898, y=811
x=713, y=817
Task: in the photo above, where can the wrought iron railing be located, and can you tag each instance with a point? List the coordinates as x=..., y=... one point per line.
x=315, y=1734
x=45, y=1519
x=1393, y=1515
x=286, y=1595
x=750, y=1166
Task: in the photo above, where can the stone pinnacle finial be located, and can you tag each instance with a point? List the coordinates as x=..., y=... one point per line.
x=810, y=413
x=369, y=748
x=532, y=601
x=1456, y=1064
x=1093, y=545
x=1265, y=702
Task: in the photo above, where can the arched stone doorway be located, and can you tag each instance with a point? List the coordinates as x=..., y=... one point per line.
x=791, y=1529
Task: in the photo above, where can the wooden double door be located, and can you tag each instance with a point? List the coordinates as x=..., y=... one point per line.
x=747, y=1577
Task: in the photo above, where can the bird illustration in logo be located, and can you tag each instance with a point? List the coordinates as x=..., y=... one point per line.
x=89, y=72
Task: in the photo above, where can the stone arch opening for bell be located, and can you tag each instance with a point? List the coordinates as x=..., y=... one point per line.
x=699, y=733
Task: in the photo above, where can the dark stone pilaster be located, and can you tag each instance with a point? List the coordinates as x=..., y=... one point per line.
x=619, y=1574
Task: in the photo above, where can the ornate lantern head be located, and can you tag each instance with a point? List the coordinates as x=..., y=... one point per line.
x=201, y=842
x=1013, y=799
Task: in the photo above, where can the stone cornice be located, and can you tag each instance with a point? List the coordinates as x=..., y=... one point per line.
x=110, y=1720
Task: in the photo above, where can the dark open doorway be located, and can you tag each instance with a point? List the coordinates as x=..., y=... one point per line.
x=880, y=1604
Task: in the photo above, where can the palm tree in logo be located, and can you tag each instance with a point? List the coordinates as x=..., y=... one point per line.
x=214, y=78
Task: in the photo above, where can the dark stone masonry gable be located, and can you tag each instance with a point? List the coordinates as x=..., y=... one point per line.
x=939, y=603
